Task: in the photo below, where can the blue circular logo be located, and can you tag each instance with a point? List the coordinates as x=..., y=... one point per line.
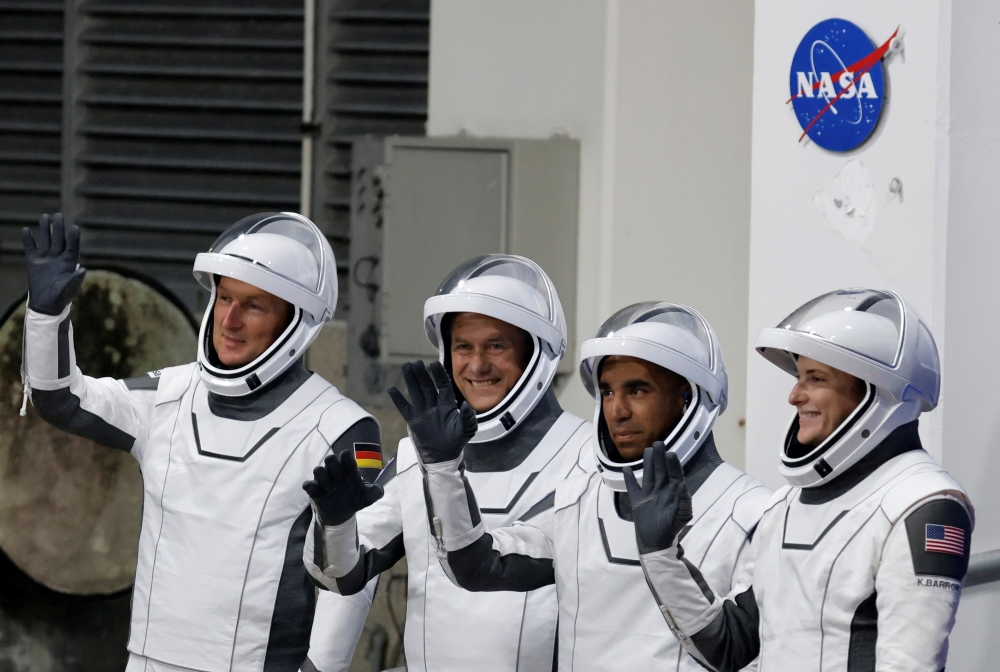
x=837, y=85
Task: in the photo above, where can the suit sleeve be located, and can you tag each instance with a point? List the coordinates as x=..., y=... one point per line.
x=113, y=413
x=346, y=558
x=337, y=628
x=516, y=558
x=721, y=633
x=918, y=584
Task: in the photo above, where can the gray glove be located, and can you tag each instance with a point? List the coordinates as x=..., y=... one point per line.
x=438, y=427
x=54, y=271
x=338, y=489
x=661, y=506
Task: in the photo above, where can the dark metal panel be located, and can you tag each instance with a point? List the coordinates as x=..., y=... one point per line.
x=183, y=116
x=31, y=52
x=371, y=79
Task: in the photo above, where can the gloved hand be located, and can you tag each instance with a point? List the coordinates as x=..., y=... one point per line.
x=338, y=489
x=661, y=506
x=438, y=427
x=54, y=271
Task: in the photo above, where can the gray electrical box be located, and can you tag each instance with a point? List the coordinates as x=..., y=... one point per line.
x=422, y=206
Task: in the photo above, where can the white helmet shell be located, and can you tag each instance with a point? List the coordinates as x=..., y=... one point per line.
x=875, y=336
x=284, y=254
x=680, y=340
x=517, y=291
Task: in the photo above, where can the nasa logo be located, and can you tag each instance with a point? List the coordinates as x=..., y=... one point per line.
x=837, y=84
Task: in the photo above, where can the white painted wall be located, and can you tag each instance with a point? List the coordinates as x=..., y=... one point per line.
x=658, y=93
x=519, y=68
x=682, y=159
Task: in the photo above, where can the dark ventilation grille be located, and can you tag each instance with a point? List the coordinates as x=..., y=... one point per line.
x=31, y=63
x=186, y=117
x=372, y=65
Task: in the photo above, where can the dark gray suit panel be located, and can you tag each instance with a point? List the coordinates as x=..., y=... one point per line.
x=294, y=606
x=61, y=409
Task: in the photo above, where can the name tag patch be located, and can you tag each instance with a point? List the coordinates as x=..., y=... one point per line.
x=941, y=584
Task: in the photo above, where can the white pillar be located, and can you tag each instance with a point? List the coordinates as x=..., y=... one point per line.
x=937, y=245
x=796, y=253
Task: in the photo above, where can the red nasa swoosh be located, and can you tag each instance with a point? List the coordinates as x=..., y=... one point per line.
x=858, y=69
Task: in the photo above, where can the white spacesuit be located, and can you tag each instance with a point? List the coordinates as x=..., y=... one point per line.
x=858, y=564
x=522, y=449
x=219, y=584
x=580, y=538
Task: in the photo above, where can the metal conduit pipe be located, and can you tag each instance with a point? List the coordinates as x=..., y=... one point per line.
x=983, y=568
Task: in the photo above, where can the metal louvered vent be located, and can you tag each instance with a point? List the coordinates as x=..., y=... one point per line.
x=31, y=64
x=371, y=79
x=185, y=116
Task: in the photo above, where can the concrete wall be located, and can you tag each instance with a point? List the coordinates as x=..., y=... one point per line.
x=658, y=93
x=972, y=401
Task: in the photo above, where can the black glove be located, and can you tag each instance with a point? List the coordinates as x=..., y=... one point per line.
x=338, y=489
x=438, y=427
x=661, y=506
x=54, y=271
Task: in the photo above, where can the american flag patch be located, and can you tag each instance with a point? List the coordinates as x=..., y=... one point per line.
x=944, y=539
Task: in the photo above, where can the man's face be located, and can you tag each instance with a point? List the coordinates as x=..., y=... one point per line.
x=246, y=321
x=824, y=397
x=641, y=402
x=487, y=358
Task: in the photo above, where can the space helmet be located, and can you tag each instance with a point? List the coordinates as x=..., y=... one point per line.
x=515, y=290
x=680, y=340
x=875, y=336
x=286, y=255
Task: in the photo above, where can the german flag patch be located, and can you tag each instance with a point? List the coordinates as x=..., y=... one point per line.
x=369, y=457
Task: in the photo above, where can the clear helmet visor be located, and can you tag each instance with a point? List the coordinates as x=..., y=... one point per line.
x=668, y=334
x=658, y=312
x=532, y=291
x=865, y=321
x=298, y=257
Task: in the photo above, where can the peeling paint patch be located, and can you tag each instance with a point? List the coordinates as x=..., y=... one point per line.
x=848, y=202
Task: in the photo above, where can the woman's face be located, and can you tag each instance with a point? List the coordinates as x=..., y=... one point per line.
x=824, y=397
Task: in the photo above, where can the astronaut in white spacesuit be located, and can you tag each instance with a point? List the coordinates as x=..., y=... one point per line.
x=858, y=563
x=657, y=375
x=223, y=443
x=499, y=328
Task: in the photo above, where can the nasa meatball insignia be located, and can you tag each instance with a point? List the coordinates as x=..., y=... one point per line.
x=837, y=84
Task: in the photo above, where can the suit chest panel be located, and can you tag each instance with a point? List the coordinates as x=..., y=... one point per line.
x=217, y=462
x=810, y=584
x=617, y=617
x=448, y=627
x=503, y=496
x=215, y=503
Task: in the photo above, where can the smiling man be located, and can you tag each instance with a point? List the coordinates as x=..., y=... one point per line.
x=498, y=326
x=858, y=563
x=657, y=376
x=223, y=444
x=488, y=356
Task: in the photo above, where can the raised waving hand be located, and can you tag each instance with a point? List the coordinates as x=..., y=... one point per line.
x=661, y=506
x=439, y=427
x=54, y=271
